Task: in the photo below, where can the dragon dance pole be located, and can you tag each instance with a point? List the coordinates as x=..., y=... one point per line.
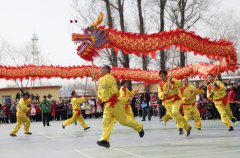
x=171, y=72
x=85, y=87
x=30, y=78
x=94, y=77
x=30, y=92
x=215, y=79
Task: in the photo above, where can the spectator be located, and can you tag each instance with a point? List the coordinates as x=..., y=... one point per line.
x=88, y=108
x=53, y=105
x=7, y=113
x=13, y=110
x=133, y=105
x=33, y=113
x=99, y=110
x=45, y=107
x=38, y=112
x=58, y=110
x=238, y=91
x=93, y=107
x=232, y=96
x=145, y=98
x=1, y=114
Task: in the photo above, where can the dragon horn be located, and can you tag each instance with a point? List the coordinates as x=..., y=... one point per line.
x=98, y=21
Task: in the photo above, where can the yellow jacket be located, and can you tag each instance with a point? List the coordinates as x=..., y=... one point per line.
x=124, y=94
x=218, y=92
x=22, y=107
x=189, y=91
x=76, y=103
x=107, y=87
x=173, y=90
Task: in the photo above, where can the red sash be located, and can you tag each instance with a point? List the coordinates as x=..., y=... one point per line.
x=224, y=100
x=78, y=111
x=175, y=96
x=194, y=103
x=113, y=100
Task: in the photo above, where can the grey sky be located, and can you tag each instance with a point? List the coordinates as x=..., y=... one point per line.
x=49, y=19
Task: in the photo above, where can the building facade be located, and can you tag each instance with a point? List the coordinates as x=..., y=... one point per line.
x=7, y=94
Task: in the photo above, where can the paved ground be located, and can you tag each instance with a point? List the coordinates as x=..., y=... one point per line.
x=159, y=142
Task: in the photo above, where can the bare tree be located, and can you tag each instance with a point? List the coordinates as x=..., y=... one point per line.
x=226, y=26
x=145, y=58
x=113, y=57
x=161, y=4
x=124, y=59
x=18, y=57
x=162, y=27
x=185, y=14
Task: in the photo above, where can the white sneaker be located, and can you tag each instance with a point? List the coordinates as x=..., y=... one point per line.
x=164, y=123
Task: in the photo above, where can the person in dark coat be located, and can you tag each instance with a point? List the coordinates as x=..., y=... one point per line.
x=145, y=98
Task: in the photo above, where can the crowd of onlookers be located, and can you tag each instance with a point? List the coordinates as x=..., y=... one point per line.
x=61, y=109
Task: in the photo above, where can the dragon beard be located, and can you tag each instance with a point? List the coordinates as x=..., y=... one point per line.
x=86, y=51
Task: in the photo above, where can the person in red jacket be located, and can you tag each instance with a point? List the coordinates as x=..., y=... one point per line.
x=232, y=95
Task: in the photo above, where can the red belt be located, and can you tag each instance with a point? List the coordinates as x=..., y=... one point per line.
x=176, y=97
x=189, y=104
x=113, y=100
x=78, y=111
x=224, y=100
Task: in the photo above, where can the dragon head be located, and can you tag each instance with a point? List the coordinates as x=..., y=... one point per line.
x=91, y=40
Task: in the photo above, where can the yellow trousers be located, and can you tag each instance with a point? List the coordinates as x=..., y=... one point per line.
x=172, y=111
x=224, y=111
x=22, y=119
x=129, y=110
x=229, y=111
x=119, y=113
x=191, y=111
x=167, y=116
x=78, y=118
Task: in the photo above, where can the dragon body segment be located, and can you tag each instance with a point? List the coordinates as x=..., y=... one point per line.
x=97, y=37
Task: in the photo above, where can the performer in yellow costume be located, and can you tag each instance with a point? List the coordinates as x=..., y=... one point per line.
x=216, y=91
x=113, y=108
x=22, y=119
x=188, y=95
x=125, y=94
x=168, y=93
x=77, y=116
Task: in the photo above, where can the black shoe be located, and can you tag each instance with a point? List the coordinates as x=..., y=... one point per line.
x=48, y=125
x=141, y=133
x=189, y=131
x=103, y=143
x=233, y=120
x=13, y=135
x=63, y=126
x=44, y=125
x=199, y=129
x=180, y=131
x=230, y=128
x=28, y=133
x=142, y=120
x=86, y=128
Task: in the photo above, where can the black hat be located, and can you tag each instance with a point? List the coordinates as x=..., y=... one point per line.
x=123, y=82
x=26, y=94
